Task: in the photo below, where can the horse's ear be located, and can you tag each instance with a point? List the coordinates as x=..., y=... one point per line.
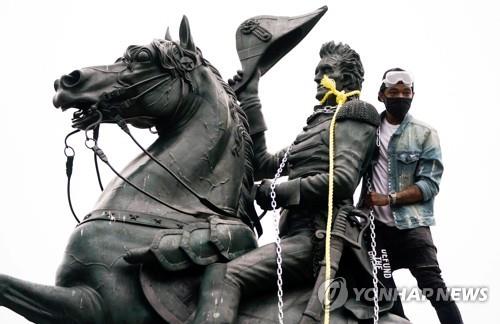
x=185, y=35
x=167, y=35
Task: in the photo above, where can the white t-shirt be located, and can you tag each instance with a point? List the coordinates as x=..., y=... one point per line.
x=381, y=173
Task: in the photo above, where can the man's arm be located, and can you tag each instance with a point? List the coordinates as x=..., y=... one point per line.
x=430, y=167
x=410, y=195
x=427, y=177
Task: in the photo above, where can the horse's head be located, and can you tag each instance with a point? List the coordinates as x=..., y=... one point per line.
x=144, y=86
x=171, y=86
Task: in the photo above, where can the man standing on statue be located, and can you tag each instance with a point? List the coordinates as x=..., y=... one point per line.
x=304, y=197
x=405, y=179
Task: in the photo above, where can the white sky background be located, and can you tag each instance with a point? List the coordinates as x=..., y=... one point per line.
x=450, y=46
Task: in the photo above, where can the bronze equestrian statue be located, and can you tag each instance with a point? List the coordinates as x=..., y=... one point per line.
x=184, y=203
x=303, y=197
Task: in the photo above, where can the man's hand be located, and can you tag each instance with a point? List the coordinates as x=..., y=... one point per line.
x=376, y=199
x=251, y=88
x=263, y=195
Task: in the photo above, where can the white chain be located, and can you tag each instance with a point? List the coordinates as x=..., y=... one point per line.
x=373, y=244
x=373, y=260
x=279, y=259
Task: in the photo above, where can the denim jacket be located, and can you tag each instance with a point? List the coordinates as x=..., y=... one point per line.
x=414, y=158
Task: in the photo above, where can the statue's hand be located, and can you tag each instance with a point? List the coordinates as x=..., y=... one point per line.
x=263, y=195
x=236, y=78
x=251, y=88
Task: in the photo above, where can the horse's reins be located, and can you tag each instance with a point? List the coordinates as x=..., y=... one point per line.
x=121, y=122
x=91, y=143
x=69, y=152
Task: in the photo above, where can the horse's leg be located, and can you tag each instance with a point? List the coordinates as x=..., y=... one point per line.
x=48, y=304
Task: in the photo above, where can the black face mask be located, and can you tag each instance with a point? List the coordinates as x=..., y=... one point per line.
x=398, y=107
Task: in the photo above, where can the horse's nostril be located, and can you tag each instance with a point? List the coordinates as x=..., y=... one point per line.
x=71, y=80
x=56, y=84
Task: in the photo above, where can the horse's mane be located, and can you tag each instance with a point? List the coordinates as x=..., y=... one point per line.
x=170, y=59
x=243, y=137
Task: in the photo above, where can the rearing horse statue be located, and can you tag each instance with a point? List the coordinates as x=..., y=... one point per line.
x=183, y=203
x=191, y=211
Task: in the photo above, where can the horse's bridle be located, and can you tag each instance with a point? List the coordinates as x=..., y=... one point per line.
x=91, y=143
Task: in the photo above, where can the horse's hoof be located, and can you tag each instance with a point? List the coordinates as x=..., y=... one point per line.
x=139, y=256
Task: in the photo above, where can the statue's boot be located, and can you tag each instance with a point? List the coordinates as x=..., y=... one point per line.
x=219, y=299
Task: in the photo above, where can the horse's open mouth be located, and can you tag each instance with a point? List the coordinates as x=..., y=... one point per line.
x=85, y=116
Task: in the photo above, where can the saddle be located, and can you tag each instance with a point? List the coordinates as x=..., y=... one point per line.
x=173, y=294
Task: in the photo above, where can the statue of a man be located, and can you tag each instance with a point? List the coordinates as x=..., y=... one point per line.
x=304, y=197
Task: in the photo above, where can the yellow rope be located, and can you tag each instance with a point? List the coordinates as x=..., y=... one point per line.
x=341, y=98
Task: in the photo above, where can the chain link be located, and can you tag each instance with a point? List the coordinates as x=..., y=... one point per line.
x=373, y=259
x=373, y=244
x=279, y=259
x=378, y=137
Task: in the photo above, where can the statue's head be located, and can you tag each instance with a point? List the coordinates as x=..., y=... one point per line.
x=342, y=64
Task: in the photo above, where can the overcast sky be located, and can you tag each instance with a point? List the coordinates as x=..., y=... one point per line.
x=450, y=46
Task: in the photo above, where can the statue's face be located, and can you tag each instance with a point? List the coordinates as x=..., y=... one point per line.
x=329, y=66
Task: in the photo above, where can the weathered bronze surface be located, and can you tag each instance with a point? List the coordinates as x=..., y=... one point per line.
x=137, y=258
x=263, y=40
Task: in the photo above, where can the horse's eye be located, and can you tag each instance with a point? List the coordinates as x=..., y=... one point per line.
x=143, y=56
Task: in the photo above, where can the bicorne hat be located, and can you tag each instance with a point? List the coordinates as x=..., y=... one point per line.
x=263, y=40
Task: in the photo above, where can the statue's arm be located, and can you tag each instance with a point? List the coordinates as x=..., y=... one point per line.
x=265, y=164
